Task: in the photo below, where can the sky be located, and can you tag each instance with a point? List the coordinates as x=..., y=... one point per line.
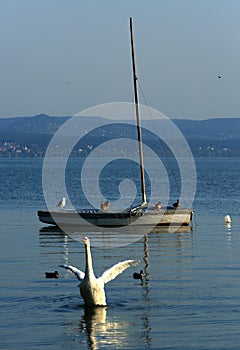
x=61, y=56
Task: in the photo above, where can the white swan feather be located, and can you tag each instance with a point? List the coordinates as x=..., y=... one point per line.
x=78, y=273
x=111, y=273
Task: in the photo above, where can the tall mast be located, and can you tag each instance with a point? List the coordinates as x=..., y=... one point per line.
x=139, y=133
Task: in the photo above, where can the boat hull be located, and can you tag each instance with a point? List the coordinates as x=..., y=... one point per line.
x=163, y=217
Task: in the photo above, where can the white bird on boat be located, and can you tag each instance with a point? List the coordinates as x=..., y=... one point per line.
x=91, y=287
x=62, y=203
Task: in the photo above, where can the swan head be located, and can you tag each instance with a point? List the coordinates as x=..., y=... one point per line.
x=86, y=241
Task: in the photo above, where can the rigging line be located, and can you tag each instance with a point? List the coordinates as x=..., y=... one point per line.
x=145, y=100
x=174, y=176
x=142, y=93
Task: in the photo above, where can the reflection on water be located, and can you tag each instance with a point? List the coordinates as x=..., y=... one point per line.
x=101, y=330
x=168, y=229
x=146, y=296
x=59, y=243
x=229, y=243
x=52, y=237
x=112, y=326
x=94, y=324
x=115, y=238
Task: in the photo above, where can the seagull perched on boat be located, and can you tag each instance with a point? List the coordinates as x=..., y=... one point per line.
x=105, y=205
x=176, y=205
x=158, y=205
x=91, y=287
x=62, y=203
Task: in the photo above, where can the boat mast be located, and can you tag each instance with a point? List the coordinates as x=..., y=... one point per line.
x=144, y=200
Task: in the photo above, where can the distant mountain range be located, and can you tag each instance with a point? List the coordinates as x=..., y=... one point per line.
x=212, y=137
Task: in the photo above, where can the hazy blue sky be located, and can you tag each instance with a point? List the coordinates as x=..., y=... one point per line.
x=61, y=56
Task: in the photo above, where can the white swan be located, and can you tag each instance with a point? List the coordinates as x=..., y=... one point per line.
x=92, y=288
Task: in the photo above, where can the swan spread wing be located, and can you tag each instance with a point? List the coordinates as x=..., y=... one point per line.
x=78, y=273
x=115, y=270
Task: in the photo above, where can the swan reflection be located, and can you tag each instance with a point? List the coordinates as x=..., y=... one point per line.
x=100, y=330
x=94, y=324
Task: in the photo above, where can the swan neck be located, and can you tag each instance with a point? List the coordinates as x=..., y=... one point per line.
x=89, y=267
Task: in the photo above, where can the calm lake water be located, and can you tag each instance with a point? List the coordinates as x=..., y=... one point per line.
x=190, y=295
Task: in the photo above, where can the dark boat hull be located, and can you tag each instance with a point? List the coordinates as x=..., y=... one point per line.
x=163, y=217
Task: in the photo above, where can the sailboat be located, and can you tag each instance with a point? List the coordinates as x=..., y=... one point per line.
x=142, y=214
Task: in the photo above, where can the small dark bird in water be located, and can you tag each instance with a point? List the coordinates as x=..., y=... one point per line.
x=138, y=276
x=54, y=274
